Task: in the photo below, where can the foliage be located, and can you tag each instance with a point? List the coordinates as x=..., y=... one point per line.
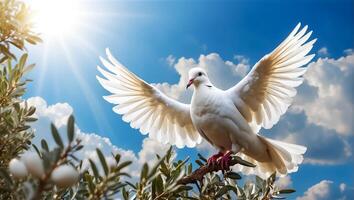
x=109, y=180
x=15, y=115
x=166, y=181
x=90, y=184
x=15, y=28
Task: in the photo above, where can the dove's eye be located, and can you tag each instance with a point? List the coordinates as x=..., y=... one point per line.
x=200, y=73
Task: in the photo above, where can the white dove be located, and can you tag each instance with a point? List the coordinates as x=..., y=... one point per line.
x=230, y=119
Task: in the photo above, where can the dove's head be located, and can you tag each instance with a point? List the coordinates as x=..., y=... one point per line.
x=197, y=76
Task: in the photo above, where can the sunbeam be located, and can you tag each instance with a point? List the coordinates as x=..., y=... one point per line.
x=89, y=96
x=42, y=72
x=68, y=27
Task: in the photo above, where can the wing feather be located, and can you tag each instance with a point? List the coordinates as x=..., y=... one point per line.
x=145, y=107
x=267, y=90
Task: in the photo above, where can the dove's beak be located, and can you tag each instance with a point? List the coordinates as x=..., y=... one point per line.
x=190, y=82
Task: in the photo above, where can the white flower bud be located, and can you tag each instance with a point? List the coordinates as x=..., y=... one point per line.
x=65, y=176
x=34, y=164
x=18, y=169
x=111, y=162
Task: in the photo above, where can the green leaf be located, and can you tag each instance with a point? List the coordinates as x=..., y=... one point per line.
x=79, y=147
x=23, y=60
x=103, y=161
x=18, y=45
x=154, y=169
x=243, y=162
x=169, y=153
x=44, y=145
x=190, y=168
x=202, y=158
x=158, y=186
x=122, y=174
x=117, y=158
x=123, y=164
x=182, y=163
x=46, y=158
x=7, y=53
x=271, y=178
x=144, y=172
x=3, y=59
x=31, y=119
x=29, y=68
x=37, y=150
x=31, y=111
x=56, y=136
x=125, y=194
x=224, y=190
x=232, y=175
x=153, y=189
x=71, y=128
x=90, y=184
x=286, y=191
x=33, y=39
x=94, y=170
x=200, y=163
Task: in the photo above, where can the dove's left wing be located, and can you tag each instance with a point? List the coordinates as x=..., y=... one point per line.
x=267, y=90
x=146, y=108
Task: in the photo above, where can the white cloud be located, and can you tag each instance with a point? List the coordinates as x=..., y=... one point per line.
x=242, y=66
x=222, y=73
x=59, y=113
x=323, y=51
x=322, y=113
x=328, y=190
x=149, y=150
x=348, y=51
x=283, y=182
x=170, y=60
x=332, y=108
x=319, y=191
x=342, y=187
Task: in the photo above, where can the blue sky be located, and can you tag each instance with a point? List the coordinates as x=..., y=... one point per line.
x=143, y=34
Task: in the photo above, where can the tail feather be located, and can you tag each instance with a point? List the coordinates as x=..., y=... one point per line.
x=296, y=151
x=285, y=159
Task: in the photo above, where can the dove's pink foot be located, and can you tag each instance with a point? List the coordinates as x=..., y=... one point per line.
x=214, y=158
x=225, y=160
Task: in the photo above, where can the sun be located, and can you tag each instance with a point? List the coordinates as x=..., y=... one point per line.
x=56, y=17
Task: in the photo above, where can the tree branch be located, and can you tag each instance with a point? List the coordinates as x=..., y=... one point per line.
x=199, y=173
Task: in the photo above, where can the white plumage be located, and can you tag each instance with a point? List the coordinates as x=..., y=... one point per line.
x=230, y=119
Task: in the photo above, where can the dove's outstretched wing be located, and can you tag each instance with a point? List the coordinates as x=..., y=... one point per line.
x=267, y=90
x=146, y=108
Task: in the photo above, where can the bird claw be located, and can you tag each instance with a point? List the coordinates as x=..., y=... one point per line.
x=225, y=161
x=213, y=160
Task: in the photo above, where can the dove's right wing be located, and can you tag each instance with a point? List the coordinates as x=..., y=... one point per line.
x=146, y=108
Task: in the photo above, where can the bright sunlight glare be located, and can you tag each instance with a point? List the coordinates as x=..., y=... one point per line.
x=55, y=17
